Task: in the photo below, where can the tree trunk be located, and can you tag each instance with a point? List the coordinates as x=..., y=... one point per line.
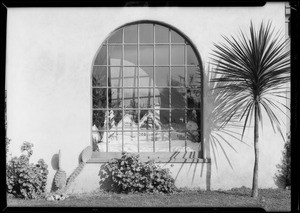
x=256, y=153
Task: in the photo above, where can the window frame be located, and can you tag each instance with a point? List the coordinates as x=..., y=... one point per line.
x=165, y=157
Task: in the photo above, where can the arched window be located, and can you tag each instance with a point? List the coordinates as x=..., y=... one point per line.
x=146, y=91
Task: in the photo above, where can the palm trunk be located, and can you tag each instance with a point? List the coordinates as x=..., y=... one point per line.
x=256, y=153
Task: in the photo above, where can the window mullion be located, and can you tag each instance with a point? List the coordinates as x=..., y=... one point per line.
x=185, y=95
x=107, y=105
x=138, y=86
x=170, y=95
x=145, y=65
x=201, y=139
x=153, y=87
x=123, y=111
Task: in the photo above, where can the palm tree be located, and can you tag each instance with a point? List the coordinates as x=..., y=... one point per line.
x=253, y=72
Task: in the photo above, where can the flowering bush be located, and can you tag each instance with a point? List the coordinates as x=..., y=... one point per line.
x=129, y=174
x=24, y=179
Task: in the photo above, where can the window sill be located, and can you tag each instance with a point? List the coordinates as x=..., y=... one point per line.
x=158, y=157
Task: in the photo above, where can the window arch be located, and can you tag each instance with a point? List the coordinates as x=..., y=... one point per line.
x=147, y=91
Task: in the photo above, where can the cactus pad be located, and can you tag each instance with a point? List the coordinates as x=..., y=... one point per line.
x=59, y=180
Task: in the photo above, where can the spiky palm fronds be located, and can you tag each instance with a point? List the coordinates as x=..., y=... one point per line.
x=252, y=71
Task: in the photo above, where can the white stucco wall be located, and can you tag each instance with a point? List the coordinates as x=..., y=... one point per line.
x=191, y=175
x=49, y=60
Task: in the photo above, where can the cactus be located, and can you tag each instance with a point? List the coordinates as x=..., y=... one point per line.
x=60, y=179
x=60, y=176
x=60, y=183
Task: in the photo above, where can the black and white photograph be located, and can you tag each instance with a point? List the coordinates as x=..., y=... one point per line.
x=149, y=107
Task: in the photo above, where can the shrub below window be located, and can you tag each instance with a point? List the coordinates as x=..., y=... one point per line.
x=129, y=174
x=24, y=179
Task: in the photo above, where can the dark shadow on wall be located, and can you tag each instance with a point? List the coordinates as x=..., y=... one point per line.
x=191, y=164
x=215, y=135
x=196, y=164
x=180, y=169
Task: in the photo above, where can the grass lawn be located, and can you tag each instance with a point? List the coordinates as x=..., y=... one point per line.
x=270, y=199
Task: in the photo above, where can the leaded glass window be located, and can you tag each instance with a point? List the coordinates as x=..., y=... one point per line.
x=146, y=92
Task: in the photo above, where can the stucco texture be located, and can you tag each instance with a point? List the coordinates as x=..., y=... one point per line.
x=50, y=52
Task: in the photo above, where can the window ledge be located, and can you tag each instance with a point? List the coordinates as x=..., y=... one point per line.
x=158, y=157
